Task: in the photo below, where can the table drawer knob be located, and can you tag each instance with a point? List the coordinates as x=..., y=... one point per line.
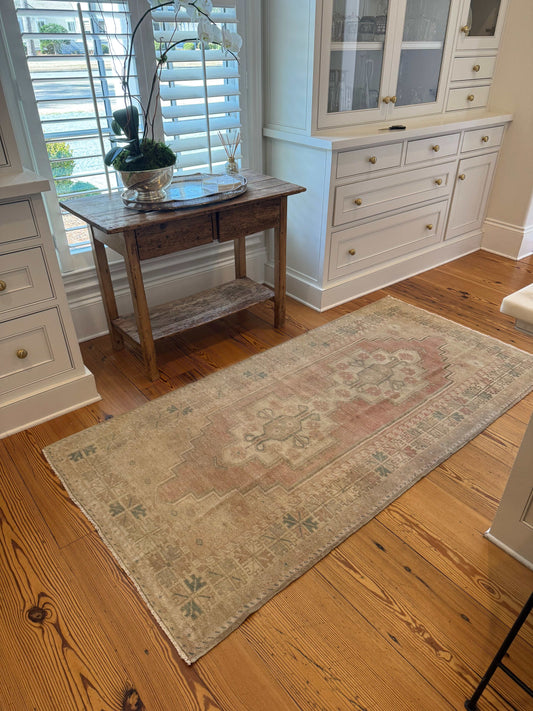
x=3, y=285
x=470, y=97
x=436, y=148
x=22, y=353
x=429, y=227
x=462, y=176
x=438, y=181
x=476, y=68
x=351, y=252
x=358, y=201
x=485, y=139
x=373, y=160
x=465, y=30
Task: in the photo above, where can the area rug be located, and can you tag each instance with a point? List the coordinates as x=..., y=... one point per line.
x=217, y=495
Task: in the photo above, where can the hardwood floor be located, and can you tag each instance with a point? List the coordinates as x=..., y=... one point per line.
x=405, y=614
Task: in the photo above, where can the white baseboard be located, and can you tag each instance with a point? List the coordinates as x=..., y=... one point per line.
x=166, y=279
x=528, y=563
x=368, y=280
x=507, y=240
x=56, y=400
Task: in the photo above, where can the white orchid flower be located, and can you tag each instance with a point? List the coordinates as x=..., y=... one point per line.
x=198, y=8
x=209, y=32
x=232, y=41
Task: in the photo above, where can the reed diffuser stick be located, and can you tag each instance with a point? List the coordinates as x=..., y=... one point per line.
x=230, y=144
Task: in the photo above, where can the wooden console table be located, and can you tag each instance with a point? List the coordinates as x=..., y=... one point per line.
x=144, y=235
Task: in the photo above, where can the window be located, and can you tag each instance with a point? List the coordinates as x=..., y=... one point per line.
x=76, y=91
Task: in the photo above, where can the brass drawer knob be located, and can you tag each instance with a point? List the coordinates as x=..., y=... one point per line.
x=436, y=148
x=470, y=97
x=3, y=285
x=465, y=30
x=22, y=353
x=462, y=176
x=438, y=181
x=476, y=68
x=351, y=251
x=485, y=139
x=386, y=99
x=373, y=160
x=358, y=201
x=429, y=227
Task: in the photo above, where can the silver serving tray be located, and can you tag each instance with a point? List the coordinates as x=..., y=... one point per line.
x=191, y=191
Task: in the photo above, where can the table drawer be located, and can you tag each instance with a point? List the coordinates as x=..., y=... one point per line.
x=434, y=148
x=371, y=197
x=473, y=97
x=377, y=242
x=166, y=238
x=482, y=138
x=368, y=160
x=248, y=219
x=17, y=221
x=470, y=68
x=40, y=335
x=24, y=279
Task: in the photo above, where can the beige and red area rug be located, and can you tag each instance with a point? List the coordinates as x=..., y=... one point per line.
x=217, y=495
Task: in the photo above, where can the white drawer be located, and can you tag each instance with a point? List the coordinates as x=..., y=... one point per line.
x=434, y=148
x=379, y=241
x=24, y=279
x=372, y=197
x=482, y=138
x=470, y=68
x=42, y=337
x=368, y=160
x=472, y=97
x=17, y=221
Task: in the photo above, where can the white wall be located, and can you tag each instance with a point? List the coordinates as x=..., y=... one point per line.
x=509, y=225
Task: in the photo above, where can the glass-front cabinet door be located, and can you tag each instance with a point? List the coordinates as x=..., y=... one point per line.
x=383, y=59
x=481, y=24
x=355, y=66
x=422, y=52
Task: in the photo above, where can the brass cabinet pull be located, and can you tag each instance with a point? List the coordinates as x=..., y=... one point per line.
x=470, y=97
x=3, y=285
x=438, y=181
x=485, y=139
x=393, y=99
x=373, y=160
x=386, y=99
x=351, y=251
x=476, y=68
x=429, y=227
x=462, y=176
x=436, y=148
x=22, y=353
x=358, y=201
x=465, y=30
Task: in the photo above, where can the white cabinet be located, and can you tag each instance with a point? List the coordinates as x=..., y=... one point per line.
x=474, y=179
x=42, y=373
x=378, y=108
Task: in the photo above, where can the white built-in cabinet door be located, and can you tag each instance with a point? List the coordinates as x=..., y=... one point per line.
x=384, y=59
x=481, y=24
x=470, y=195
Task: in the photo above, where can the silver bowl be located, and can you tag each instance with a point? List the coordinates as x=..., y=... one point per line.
x=150, y=185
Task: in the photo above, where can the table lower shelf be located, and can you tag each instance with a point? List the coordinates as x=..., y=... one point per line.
x=176, y=316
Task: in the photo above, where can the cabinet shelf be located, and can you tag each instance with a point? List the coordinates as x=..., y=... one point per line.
x=356, y=47
x=422, y=45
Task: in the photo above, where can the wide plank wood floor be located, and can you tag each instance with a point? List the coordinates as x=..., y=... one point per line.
x=405, y=614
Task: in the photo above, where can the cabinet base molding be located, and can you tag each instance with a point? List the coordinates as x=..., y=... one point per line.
x=510, y=551
x=37, y=407
x=507, y=240
x=322, y=299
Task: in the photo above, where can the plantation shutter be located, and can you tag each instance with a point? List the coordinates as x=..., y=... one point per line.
x=194, y=113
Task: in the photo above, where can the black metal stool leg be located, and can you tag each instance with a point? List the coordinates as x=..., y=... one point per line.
x=471, y=703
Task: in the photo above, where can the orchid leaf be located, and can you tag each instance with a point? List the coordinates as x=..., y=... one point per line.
x=128, y=120
x=112, y=154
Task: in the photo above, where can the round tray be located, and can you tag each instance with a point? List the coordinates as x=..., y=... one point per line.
x=191, y=191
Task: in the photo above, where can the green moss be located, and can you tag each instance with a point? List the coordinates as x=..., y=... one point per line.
x=154, y=155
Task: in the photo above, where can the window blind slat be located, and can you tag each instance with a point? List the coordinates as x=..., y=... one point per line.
x=183, y=110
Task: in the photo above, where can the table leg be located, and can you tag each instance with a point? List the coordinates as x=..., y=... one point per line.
x=140, y=306
x=106, y=289
x=239, y=246
x=280, y=265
